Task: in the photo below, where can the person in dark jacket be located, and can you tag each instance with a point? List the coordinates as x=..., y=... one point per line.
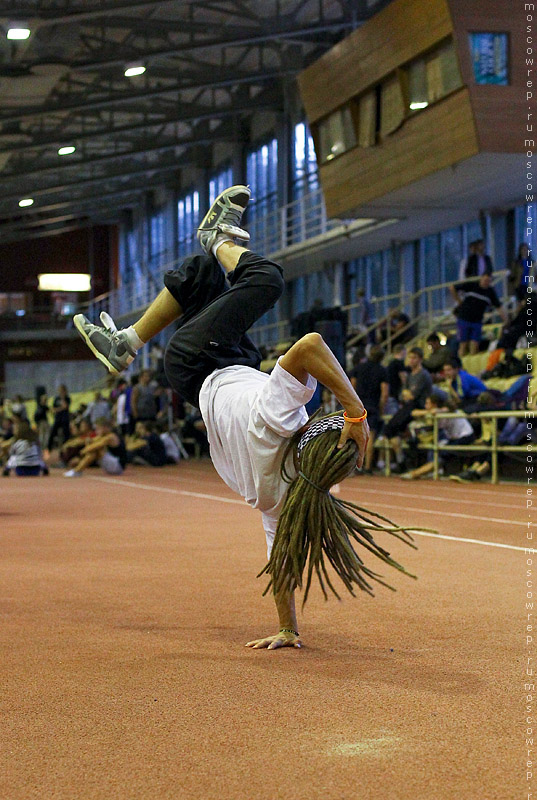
x=370, y=381
x=479, y=263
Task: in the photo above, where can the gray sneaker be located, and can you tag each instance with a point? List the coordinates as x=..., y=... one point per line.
x=224, y=216
x=109, y=346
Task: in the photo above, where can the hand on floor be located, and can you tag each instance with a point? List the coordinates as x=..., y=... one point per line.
x=273, y=642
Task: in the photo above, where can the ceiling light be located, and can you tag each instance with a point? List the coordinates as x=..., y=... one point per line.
x=416, y=106
x=18, y=30
x=134, y=69
x=28, y=201
x=64, y=282
x=66, y=151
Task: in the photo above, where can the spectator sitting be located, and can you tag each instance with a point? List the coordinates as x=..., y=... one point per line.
x=478, y=297
x=370, y=380
x=18, y=407
x=401, y=332
x=146, y=447
x=107, y=449
x=464, y=386
x=440, y=355
x=397, y=374
x=99, y=408
x=516, y=328
x=452, y=431
x=418, y=386
x=81, y=434
x=6, y=428
x=173, y=455
x=194, y=428
x=518, y=279
x=25, y=456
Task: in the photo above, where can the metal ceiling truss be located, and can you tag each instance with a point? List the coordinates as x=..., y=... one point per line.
x=211, y=65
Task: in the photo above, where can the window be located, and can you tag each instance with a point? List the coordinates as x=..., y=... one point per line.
x=336, y=134
x=157, y=238
x=305, y=176
x=187, y=222
x=392, y=105
x=367, y=119
x=262, y=177
x=452, y=253
x=432, y=77
x=219, y=182
x=489, y=58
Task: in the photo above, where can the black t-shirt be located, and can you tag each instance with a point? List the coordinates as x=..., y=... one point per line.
x=393, y=369
x=476, y=302
x=57, y=405
x=119, y=451
x=369, y=376
x=41, y=412
x=156, y=445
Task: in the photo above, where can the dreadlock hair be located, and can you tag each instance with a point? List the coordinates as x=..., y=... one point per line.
x=315, y=524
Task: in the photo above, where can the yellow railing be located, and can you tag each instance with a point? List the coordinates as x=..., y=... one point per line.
x=490, y=447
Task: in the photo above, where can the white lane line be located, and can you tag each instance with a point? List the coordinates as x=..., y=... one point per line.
x=409, y=495
x=245, y=505
x=470, y=541
x=439, y=512
x=172, y=491
x=479, y=490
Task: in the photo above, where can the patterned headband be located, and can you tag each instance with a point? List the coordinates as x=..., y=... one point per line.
x=321, y=426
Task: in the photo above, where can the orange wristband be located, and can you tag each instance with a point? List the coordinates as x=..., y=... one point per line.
x=354, y=419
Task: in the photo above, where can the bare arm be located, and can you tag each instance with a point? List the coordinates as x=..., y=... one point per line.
x=288, y=634
x=454, y=293
x=312, y=356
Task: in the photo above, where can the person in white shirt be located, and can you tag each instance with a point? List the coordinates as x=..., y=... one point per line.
x=256, y=423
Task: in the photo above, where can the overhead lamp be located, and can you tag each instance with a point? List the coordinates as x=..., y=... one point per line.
x=64, y=282
x=27, y=201
x=134, y=69
x=66, y=151
x=18, y=31
x=417, y=106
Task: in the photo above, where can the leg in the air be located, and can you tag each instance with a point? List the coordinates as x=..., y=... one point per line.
x=162, y=312
x=188, y=290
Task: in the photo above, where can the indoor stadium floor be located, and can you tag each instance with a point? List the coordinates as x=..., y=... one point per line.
x=127, y=604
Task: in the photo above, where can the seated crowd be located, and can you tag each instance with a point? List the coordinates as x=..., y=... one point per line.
x=137, y=422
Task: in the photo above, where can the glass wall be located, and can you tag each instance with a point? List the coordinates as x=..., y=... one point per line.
x=219, y=182
x=157, y=240
x=305, y=175
x=188, y=217
x=262, y=177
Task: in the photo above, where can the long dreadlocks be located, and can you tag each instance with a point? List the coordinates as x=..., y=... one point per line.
x=313, y=523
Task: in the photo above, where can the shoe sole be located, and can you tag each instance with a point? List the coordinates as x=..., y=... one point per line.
x=79, y=326
x=205, y=218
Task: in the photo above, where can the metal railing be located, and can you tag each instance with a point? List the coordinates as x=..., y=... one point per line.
x=492, y=447
x=423, y=322
x=278, y=229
